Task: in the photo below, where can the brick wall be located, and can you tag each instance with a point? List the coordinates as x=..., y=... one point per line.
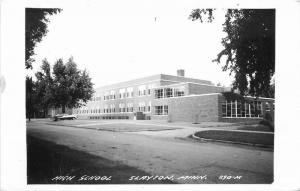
x=203, y=89
x=194, y=108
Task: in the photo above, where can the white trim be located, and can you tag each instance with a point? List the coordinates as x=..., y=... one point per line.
x=193, y=95
x=260, y=97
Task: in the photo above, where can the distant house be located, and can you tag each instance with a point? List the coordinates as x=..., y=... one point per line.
x=172, y=98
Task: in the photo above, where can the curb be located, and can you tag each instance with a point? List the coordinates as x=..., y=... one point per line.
x=231, y=142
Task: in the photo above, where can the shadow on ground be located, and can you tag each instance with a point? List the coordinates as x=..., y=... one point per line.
x=46, y=161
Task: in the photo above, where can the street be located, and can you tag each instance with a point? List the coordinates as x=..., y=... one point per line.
x=179, y=159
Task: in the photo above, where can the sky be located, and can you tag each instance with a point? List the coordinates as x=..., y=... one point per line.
x=134, y=39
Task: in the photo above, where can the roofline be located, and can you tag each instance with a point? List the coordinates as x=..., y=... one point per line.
x=158, y=75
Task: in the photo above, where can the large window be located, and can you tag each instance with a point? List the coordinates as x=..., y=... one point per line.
x=169, y=92
x=237, y=109
x=161, y=110
x=159, y=93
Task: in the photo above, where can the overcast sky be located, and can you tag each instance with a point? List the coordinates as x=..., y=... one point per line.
x=134, y=39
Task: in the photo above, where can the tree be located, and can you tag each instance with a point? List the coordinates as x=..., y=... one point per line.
x=71, y=87
x=44, y=87
x=29, y=91
x=36, y=21
x=249, y=47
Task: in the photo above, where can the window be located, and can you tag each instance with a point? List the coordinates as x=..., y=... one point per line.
x=105, y=109
x=129, y=107
x=224, y=110
x=165, y=110
x=106, y=96
x=142, y=106
x=130, y=92
x=233, y=108
x=122, y=93
x=112, y=95
x=169, y=92
x=179, y=91
x=142, y=90
x=268, y=108
x=150, y=87
x=161, y=110
x=122, y=107
x=112, y=108
x=159, y=93
x=241, y=109
x=158, y=110
x=149, y=106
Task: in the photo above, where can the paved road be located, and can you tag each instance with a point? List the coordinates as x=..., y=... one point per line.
x=165, y=156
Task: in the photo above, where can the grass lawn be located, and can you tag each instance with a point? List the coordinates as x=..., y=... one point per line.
x=258, y=127
x=235, y=136
x=115, y=126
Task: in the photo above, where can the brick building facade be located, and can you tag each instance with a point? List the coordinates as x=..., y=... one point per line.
x=172, y=98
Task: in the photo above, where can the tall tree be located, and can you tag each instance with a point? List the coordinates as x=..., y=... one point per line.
x=71, y=87
x=36, y=20
x=44, y=87
x=31, y=98
x=249, y=47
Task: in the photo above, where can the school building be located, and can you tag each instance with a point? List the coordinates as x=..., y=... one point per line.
x=172, y=98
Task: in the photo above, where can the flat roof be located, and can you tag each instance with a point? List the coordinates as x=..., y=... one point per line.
x=152, y=79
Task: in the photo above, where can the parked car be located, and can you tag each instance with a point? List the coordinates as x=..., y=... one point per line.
x=64, y=117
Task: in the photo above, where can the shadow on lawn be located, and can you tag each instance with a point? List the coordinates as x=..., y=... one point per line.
x=46, y=160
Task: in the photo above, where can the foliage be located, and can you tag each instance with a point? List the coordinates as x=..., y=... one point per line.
x=249, y=48
x=36, y=21
x=29, y=97
x=64, y=86
x=71, y=87
x=199, y=13
x=231, y=96
x=44, y=85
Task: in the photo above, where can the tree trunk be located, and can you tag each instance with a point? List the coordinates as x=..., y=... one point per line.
x=63, y=108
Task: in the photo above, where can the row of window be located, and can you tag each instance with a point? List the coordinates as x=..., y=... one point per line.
x=159, y=93
x=122, y=108
x=158, y=110
x=109, y=117
x=168, y=92
x=125, y=93
x=242, y=109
